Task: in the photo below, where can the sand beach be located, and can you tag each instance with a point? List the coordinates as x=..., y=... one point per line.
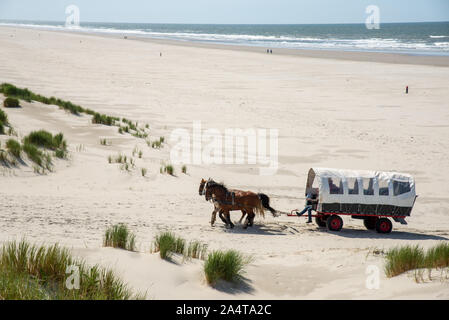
x=331, y=109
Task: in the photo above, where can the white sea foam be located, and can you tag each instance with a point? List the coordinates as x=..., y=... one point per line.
x=370, y=44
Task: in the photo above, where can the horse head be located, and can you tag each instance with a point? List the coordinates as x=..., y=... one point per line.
x=201, y=190
x=213, y=188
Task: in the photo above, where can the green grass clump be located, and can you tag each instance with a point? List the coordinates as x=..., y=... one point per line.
x=45, y=139
x=437, y=256
x=144, y=172
x=13, y=147
x=167, y=243
x=4, y=157
x=184, y=169
x=2, y=128
x=61, y=154
x=400, y=260
x=168, y=169
x=42, y=273
x=196, y=250
x=157, y=144
x=103, y=119
x=3, y=117
x=33, y=153
x=403, y=259
x=12, y=91
x=119, y=236
x=225, y=265
x=11, y=103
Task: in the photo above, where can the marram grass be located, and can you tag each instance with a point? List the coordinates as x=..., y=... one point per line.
x=46, y=273
x=119, y=236
x=225, y=265
x=167, y=243
x=406, y=258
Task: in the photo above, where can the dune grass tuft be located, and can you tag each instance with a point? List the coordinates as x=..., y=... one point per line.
x=119, y=236
x=47, y=273
x=14, y=147
x=400, y=260
x=168, y=169
x=157, y=144
x=3, y=117
x=225, y=265
x=33, y=153
x=403, y=259
x=437, y=256
x=11, y=103
x=166, y=243
x=46, y=140
x=196, y=250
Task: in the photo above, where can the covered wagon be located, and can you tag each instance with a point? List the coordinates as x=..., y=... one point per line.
x=373, y=196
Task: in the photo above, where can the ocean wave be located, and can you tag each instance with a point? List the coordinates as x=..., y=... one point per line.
x=275, y=41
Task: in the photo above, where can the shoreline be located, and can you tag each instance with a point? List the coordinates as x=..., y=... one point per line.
x=329, y=113
x=361, y=56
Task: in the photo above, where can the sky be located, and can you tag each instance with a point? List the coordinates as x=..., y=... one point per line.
x=227, y=11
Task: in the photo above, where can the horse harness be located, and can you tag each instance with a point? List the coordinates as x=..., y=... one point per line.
x=232, y=202
x=232, y=194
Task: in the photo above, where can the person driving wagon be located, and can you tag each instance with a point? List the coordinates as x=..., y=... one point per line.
x=311, y=200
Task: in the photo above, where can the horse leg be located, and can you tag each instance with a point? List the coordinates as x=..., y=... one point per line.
x=251, y=218
x=213, y=218
x=243, y=215
x=228, y=218
x=247, y=221
x=220, y=214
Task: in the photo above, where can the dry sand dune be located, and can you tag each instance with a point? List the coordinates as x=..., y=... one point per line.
x=329, y=112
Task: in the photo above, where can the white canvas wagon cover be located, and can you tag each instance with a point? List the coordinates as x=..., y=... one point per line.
x=362, y=191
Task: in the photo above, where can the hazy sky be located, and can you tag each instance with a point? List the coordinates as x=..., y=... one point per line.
x=227, y=11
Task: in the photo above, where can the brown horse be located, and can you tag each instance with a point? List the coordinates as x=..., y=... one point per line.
x=226, y=200
x=202, y=192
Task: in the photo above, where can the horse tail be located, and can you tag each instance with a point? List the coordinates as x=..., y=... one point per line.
x=259, y=209
x=265, y=200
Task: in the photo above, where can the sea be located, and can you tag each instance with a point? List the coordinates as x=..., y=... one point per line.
x=422, y=38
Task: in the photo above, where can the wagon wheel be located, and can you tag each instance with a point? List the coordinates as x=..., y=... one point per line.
x=384, y=225
x=370, y=222
x=320, y=221
x=334, y=223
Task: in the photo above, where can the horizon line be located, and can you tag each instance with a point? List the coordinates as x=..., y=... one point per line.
x=204, y=23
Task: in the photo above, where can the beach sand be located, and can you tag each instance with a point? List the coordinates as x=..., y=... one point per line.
x=331, y=111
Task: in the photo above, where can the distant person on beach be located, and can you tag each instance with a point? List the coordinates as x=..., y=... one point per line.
x=310, y=200
x=271, y=51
